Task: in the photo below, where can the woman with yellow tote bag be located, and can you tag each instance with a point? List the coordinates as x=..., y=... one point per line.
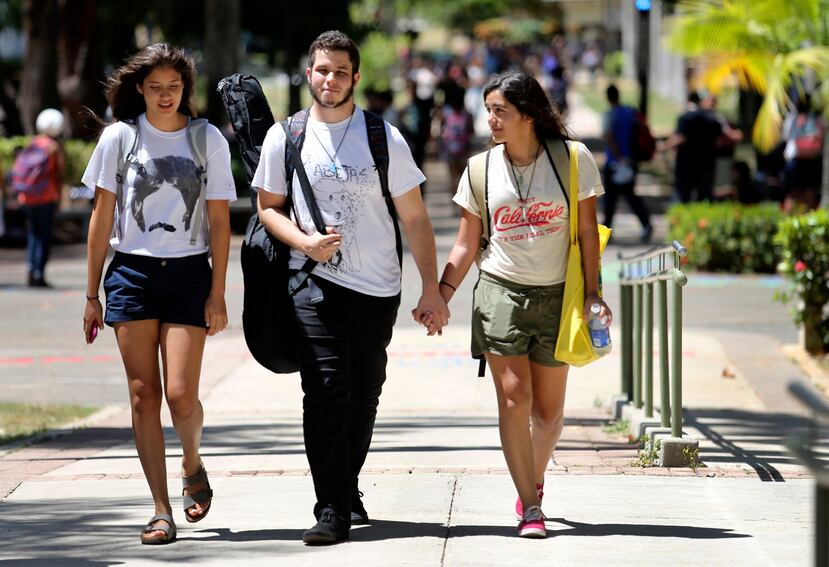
x=516, y=221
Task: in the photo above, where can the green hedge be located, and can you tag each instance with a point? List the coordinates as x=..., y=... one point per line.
x=727, y=237
x=805, y=262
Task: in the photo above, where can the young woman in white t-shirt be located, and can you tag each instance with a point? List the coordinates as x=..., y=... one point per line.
x=518, y=296
x=163, y=294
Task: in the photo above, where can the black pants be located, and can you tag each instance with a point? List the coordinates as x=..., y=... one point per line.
x=611, y=197
x=694, y=185
x=342, y=354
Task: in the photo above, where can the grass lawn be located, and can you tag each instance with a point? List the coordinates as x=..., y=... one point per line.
x=662, y=113
x=19, y=420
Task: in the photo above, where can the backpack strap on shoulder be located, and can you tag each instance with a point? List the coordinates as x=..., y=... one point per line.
x=295, y=126
x=559, y=155
x=128, y=139
x=379, y=147
x=197, y=139
x=477, y=169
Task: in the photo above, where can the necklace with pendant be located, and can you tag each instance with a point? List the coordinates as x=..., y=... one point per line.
x=519, y=179
x=333, y=167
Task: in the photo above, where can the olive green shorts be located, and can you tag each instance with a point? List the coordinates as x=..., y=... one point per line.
x=512, y=319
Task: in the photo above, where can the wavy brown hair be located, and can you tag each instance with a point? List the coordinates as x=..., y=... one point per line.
x=525, y=94
x=121, y=87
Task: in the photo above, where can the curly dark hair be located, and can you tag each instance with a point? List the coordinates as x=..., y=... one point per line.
x=525, y=94
x=121, y=87
x=335, y=40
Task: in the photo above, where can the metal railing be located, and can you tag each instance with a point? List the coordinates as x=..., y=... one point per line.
x=803, y=447
x=637, y=277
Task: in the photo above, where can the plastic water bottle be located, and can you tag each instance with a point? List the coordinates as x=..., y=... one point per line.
x=599, y=330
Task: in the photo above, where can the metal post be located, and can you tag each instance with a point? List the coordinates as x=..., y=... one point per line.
x=664, y=376
x=637, y=347
x=627, y=336
x=648, y=298
x=676, y=359
x=821, y=526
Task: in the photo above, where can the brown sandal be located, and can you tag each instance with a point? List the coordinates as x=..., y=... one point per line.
x=203, y=496
x=169, y=530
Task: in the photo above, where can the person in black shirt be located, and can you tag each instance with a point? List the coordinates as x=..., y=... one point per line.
x=695, y=140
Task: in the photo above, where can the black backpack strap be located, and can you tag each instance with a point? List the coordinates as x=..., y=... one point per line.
x=295, y=132
x=560, y=155
x=379, y=147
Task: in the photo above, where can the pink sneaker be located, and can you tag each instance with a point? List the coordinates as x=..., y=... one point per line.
x=532, y=524
x=519, y=508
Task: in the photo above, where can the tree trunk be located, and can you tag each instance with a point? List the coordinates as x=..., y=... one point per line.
x=80, y=70
x=221, y=51
x=38, y=86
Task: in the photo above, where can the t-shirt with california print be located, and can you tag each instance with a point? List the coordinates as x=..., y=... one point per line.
x=349, y=197
x=160, y=195
x=531, y=249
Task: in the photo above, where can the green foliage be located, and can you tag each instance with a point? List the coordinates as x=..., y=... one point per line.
x=614, y=64
x=78, y=153
x=378, y=55
x=805, y=262
x=18, y=421
x=617, y=427
x=727, y=237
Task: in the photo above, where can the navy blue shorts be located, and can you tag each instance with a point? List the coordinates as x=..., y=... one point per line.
x=172, y=290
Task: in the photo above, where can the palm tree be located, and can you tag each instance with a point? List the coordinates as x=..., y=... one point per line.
x=776, y=47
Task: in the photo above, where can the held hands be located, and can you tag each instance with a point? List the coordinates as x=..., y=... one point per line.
x=93, y=319
x=321, y=247
x=592, y=298
x=215, y=314
x=432, y=312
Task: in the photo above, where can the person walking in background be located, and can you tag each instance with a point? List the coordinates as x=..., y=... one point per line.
x=724, y=148
x=37, y=178
x=803, y=134
x=347, y=307
x=518, y=297
x=164, y=209
x=456, y=132
x=619, y=130
x=695, y=140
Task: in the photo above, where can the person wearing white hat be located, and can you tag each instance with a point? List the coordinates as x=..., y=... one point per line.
x=37, y=178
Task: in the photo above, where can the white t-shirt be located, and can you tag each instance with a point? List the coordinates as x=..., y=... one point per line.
x=529, y=249
x=349, y=198
x=160, y=197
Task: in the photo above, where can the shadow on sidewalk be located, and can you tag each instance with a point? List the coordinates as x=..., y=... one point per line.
x=752, y=438
x=644, y=530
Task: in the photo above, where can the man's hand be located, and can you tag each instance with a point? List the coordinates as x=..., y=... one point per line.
x=321, y=247
x=431, y=312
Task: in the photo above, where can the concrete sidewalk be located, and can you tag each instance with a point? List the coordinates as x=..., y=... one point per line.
x=435, y=481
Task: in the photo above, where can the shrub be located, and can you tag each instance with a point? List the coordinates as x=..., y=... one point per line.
x=727, y=237
x=805, y=262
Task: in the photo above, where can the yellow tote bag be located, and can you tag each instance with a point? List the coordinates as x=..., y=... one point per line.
x=573, y=346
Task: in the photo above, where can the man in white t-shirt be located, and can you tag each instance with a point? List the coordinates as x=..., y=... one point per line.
x=347, y=307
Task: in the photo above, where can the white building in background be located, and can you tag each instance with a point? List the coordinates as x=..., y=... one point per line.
x=620, y=20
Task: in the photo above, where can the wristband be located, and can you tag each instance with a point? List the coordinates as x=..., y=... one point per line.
x=447, y=284
x=91, y=297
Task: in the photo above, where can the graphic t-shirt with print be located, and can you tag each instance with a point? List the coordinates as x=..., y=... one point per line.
x=529, y=238
x=161, y=194
x=347, y=191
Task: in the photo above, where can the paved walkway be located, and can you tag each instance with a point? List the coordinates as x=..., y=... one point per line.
x=435, y=482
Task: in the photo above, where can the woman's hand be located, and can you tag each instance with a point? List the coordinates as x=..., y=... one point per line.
x=605, y=311
x=93, y=316
x=215, y=314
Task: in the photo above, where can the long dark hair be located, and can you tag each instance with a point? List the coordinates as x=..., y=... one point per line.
x=121, y=87
x=525, y=94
